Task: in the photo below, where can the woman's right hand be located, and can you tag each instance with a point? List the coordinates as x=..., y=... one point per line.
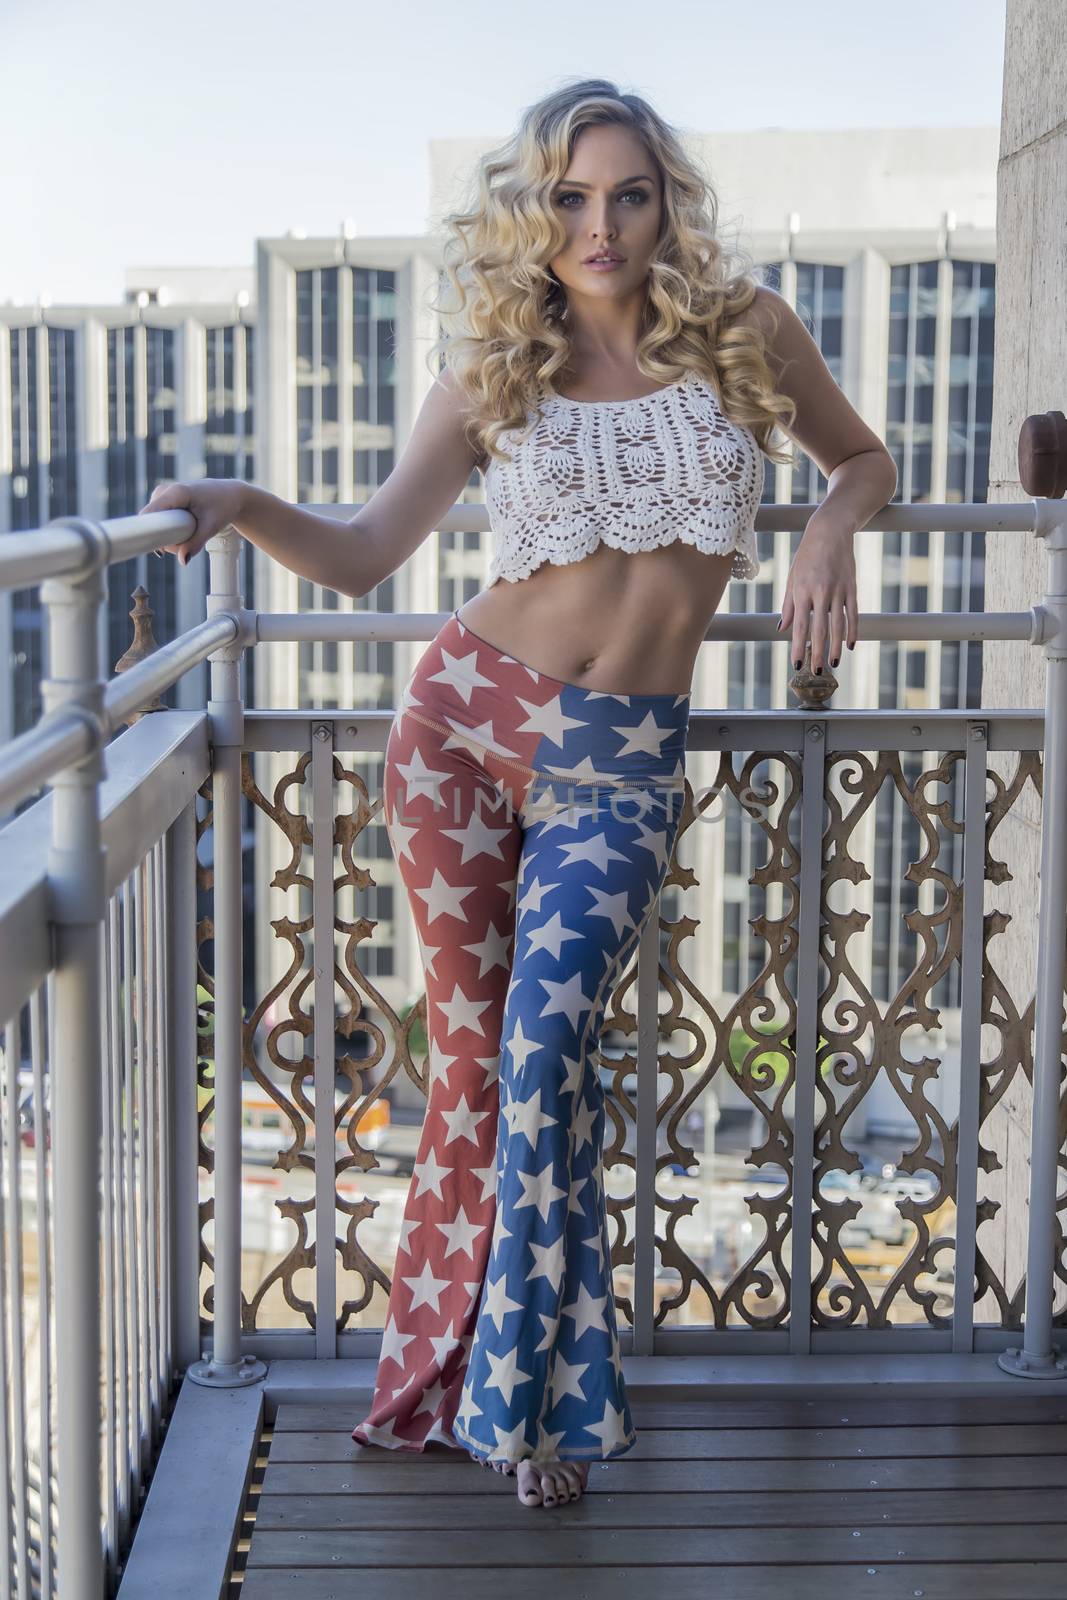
x=214, y=502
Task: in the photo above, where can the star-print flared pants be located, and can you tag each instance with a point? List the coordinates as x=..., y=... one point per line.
x=532, y=821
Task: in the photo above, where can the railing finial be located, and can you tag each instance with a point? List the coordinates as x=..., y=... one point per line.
x=144, y=644
x=812, y=689
x=1043, y=455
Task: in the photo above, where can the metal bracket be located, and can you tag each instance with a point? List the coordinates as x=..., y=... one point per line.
x=245, y=621
x=1023, y=1364
x=226, y=1374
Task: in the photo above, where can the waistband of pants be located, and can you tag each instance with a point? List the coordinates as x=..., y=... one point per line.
x=486, y=696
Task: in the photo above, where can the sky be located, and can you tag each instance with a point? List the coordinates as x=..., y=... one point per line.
x=141, y=136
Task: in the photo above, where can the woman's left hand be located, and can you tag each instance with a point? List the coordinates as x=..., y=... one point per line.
x=820, y=592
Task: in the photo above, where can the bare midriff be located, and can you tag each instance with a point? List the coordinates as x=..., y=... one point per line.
x=621, y=622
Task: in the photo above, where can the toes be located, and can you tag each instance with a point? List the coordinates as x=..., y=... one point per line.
x=554, y=1479
x=550, y=1484
x=529, y=1486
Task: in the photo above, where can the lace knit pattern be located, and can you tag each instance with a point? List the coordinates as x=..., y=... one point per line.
x=633, y=474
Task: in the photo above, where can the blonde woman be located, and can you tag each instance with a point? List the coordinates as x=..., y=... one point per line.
x=617, y=376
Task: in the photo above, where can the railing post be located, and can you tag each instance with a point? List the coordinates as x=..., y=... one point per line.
x=78, y=900
x=183, y=1154
x=1038, y=1358
x=226, y=1367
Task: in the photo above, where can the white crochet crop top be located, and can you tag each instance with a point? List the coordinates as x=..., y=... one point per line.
x=634, y=474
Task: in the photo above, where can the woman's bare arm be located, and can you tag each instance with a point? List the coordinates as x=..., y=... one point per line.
x=353, y=555
x=820, y=592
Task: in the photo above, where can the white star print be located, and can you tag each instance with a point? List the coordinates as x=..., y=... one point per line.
x=497, y=1304
x=653, y=839
x=548, y=1262
x=596, y=1242
x=547, y=1445
x=425, y=1288
x=407, y=1228
x=428, y=1175
x=477, y=839
x=500, y=1233
x=566, y=997
x=595, y=849
x=647, y=738
x=585, y=771
x=532, y=897
x=468, y=1409
x=463, y=1121
x=492, y=951
x=510, y=1446
x=570, y=1083
x=431, y=1400
x=477, y=740
x=610, y=1431
x=442, y=1345
x=584, y=1117
x=421, y=779
x=613, y=906
x=607, y=694
x=550, y=935
x=461, y=673
x=460, y=1234
x=487, y=1178
x=400, y=837
x=587, y=1311
x=427, y=951
x=521, y=1047
x=527, y=1118
x=551, y=1326
x=442, y=898
x=463, y=1011
x=380, y=1433
x=616, y=1357
x=439, y=1063
x=506, y=1374
x=548, y=720
x=394, y=1343
x=490, y=1065
x=567, y=815
x=539, y=1190
x=565, y=1378
x=573, y=1203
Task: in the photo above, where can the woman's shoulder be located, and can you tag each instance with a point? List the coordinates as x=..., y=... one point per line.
x=763, y=312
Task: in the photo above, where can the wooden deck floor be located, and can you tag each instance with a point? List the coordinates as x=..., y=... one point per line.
x=777, y=1499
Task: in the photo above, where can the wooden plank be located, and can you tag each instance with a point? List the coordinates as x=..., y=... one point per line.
x=558, y=1541
x=208, y=1460
x=419, y=1475
x=799, y=1507
x=948, y=1581
x=746, y=1444
x=788, y=1412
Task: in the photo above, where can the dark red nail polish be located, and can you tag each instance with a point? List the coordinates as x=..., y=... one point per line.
x=835, y=661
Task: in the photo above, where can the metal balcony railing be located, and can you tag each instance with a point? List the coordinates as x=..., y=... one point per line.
x=99, y=994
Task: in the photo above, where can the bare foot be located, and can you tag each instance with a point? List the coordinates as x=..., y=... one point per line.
x=500, y=1466
x=547, y=1483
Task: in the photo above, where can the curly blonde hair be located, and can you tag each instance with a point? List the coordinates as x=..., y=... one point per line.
x=506, y=334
